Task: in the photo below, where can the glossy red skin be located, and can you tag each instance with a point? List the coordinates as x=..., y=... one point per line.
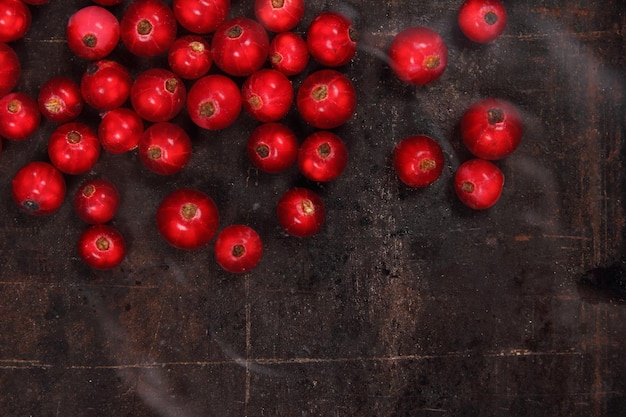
x=238, y=248
x=191, y=231
x=277, y=17
x=10, y=69
x=482, y=21
x=161, y=24
x=322, y=156
x=105, y=85
x=119, y=130
x=15, y=20
x=38, y=188
x=19, y=116
x=158, y=95
x=107, y=2
x=267, y=95
x=74, y=148
x=190, y=57
x=272, y=147
x=92, y=22
x=478, y=183
x=288, y=53
x=330, y=39
x=201, y=16
x=240, y=46
x=301, y=212
x=221, y=94
x=60, y=100
x=165, y=148
x=326, y=111
x=92, y=251
x=418, y=55
x=492, y=128
x=418, y=160
x=96, y=201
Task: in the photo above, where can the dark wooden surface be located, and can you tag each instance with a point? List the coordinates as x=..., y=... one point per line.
x=405, y=304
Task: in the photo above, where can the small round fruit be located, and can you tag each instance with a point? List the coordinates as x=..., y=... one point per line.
x=331, y=39
x=148, y=28
x=322, y=156
x=267, y=95
x=478, y=183
x=119, y=130
x=418, y=160
x=38, y=188
x=60, y=100
x=272, y=147
x=10, y=69
x=418, y=55
x=158, y=95
x=101, y=247
x=492, y=128
x=165, y=148
x=301, y=212
x=15, y=20
x=92, y=32
x=288, y=53
x=105, y=84
x=96, y=201
x=19, y=116
x=326, y=99
x=74, y=148
x=240, y=46
x=187, y=219
x=214, y=102
x=201, y=16
x=238, y=248
x=482, y=21
x=189, y=57
x=279, y=15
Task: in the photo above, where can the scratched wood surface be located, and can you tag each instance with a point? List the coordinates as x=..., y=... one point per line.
x=405, y=304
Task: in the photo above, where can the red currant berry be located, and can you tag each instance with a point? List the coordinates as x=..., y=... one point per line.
x=165, y=148
x=92, y=32
x=96, y=201
x=74, y=148
x=279, y=15
x=267, y=95
x=201, y=16
x=190, y=57
x=10, y=69
x=482, y=21
x=105, y=85
x=187, y=219
x=238, y=248
x=158, y=95
x=19, y=116
x=38, y=188
x=301, y=212
x=288, y=53
x=418, y=55
x=119, y=130
x=15, y=20
x=418, y=160
x=331, y=39
x=322, y=156
x=60, y=100
x=478, y=183
x=101, y=247
x=214, y=102
x=148, y=28
x=240, y=46
x=272, y=147
x=326, y=99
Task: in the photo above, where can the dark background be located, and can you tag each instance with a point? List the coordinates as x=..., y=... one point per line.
x=405, y=304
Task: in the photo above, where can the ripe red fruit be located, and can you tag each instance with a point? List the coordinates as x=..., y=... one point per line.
x=331, y=39
x=74, y=148
x=272, y=147
x=38, y=188
x=158, y=95
x=279, y=15
x=119, y=130
x=240, y=46
x=492, y=128
x=187, y=219
x=418, y=55
x=165, y=148
x=101, y=247
x=418, y=160
x=482, y=21
x=326, y=99
x=301, y=212
x=19, y=116
x=322, y=156
x=478, y=183
x=189, y=57
x=105, y=85
x=148, y=28
x=96, y=201
x=267, y=95
x=10, y=69
x=15, y=20
x=214, y=102
x=238, y=248
x=201, y=16
x=288, y=53
x=60, y=100
x=92, y=32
